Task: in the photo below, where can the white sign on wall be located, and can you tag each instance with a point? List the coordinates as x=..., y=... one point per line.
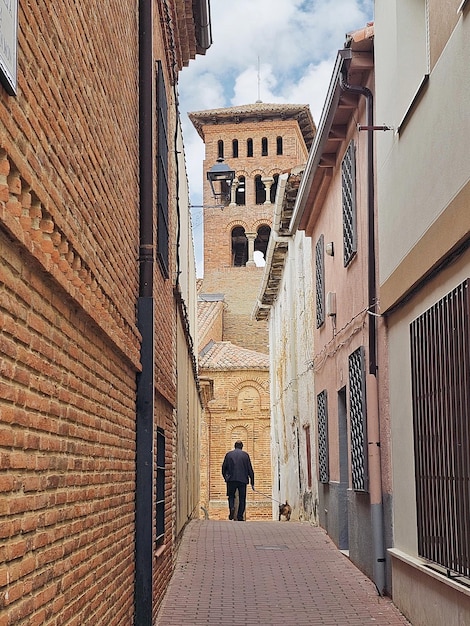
x=9, y=44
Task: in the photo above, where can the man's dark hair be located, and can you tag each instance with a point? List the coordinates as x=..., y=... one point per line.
x=239, y=444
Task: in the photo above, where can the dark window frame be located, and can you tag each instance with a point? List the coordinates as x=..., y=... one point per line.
x=163, y=231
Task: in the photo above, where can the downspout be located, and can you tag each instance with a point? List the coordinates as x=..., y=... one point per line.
x=145, y=320
x=373, y=426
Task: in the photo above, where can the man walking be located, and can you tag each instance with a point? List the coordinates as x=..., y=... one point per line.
x=237, y=472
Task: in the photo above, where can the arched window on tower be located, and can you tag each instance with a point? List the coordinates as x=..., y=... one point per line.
x=272, y=191
x=240, y=196
x=264, y=146
x=239, y=247
x=235, y=148
x=261, y=245
x=279, y=145
x=220, y=149
x=249, y=147
x=260, y=191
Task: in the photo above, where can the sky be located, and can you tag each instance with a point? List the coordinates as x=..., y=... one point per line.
x=276, y=51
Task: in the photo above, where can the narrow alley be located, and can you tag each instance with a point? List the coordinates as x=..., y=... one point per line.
x=269, y=574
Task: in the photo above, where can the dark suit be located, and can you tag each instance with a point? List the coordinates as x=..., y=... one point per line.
x=237, y=472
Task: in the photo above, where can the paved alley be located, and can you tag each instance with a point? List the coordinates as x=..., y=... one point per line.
x=269, y=574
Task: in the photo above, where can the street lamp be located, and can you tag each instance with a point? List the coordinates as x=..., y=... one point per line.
x=221, y=178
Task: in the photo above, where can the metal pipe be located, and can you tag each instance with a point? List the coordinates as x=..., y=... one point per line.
x=373, y=422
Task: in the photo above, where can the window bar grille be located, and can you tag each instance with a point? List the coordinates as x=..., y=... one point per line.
x=322, y=420
x=320, y=281
x=357, y=419
x=440, y=365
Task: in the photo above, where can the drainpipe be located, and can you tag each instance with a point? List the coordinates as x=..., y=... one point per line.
x=373, y=426
x=145, y=316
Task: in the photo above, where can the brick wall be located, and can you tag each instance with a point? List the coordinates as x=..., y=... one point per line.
x=70, y=349
x=67, y=458
x=239, y=410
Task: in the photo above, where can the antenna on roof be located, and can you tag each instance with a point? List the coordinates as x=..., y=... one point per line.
x=259, y=83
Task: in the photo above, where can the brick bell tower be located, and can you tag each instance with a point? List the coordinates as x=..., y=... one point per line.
x=258, y=141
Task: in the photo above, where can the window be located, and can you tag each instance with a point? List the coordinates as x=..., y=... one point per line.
x=272, y=191
x=308, y=455
x=279, y=145
x=440, y=372
x=235, y=148
x=162, y=174
x=239, y=247
x=264, y=146
x=261, y=243
x=322, y=420
x=260, y=191
x=220, y=149
x=240, y=195
x=357, y=419
x=348, y=183
x=249, y=147
x=160, y=487
x=320, y=281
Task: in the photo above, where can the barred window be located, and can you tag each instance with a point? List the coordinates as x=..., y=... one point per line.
x=322, y=421
x=440, y=370
x=348, y=184
x=357, y=420
x=160, y=487
x=162, y=173
x=320, y=281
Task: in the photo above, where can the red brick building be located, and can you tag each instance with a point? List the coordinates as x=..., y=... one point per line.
x=92, y=308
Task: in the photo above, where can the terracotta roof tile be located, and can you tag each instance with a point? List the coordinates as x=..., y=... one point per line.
x=207, y=313
x=224, y=355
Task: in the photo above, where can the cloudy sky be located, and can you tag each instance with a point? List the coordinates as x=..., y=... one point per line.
x=272, y=50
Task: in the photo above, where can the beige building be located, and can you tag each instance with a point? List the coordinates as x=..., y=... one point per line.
x=258, y=141
x=423, y=185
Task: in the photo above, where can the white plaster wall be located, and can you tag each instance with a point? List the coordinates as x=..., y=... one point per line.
x=421, y=169
x=292, y=394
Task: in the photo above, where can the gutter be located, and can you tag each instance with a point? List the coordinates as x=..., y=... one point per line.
x=202, y=20
x=372, y=402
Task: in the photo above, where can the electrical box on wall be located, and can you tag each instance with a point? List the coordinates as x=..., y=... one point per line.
x=331, y=303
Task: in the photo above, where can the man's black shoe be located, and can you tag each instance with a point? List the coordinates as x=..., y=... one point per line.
x=232, y=514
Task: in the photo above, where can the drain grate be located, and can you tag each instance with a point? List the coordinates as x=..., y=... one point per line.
x=281, y=547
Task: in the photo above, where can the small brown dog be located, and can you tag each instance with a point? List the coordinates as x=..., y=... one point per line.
x=285, y=511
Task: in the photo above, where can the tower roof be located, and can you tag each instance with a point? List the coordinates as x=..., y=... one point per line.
x=257, y=112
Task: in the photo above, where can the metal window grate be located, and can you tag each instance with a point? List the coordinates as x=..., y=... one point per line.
x=320, y=281
x=348, y=183
x=440, y=366
x=322, y=418
x=160, y=487
x=357, y=417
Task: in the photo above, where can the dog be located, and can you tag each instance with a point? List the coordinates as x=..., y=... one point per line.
x=285, y=511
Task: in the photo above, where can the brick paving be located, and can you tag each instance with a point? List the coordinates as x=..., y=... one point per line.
x=269, y=574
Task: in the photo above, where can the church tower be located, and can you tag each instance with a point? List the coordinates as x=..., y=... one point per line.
x=258, y=141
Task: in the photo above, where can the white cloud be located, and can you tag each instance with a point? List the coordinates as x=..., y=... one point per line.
x=293, y=43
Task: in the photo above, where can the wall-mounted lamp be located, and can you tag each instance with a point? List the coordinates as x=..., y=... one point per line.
x=330, y=249
x=221, y=178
